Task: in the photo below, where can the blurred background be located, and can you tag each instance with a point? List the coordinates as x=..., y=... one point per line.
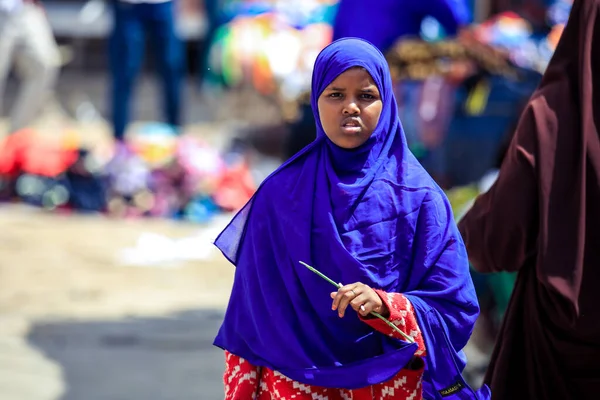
x=132, y=130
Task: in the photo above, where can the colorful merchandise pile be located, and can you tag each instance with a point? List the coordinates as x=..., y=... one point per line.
x=515, y=36
x=50, y=175
x=176, y=176
x=165, y=175
x=454, y=59
x=271, y=45
x=497, y=46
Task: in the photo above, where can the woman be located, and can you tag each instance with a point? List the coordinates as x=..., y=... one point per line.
x=357, y=206
x=540, y=218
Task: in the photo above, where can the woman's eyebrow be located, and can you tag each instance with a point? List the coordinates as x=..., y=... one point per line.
x=337, y=89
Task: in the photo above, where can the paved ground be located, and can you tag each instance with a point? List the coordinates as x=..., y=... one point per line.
x=168, y=357
x=25, y=372
x=76, y=323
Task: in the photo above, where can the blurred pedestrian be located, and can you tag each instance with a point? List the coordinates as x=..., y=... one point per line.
x=133, y=21
x=541, y=218
x=385, y=21
x=27, y=41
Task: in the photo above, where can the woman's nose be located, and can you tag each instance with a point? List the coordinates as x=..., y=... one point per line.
x=351, y=108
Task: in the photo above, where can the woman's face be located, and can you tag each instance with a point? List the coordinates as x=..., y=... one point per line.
x=349, y=108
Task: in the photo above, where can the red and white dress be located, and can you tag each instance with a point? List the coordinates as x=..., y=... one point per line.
x=244, y=381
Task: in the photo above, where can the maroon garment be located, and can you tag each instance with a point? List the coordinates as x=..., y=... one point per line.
x=541, y=218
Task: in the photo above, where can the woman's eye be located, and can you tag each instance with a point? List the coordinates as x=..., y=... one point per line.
x=335, y=95
x=368, y=96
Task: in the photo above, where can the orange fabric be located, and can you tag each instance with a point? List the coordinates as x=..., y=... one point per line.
x=23, y=151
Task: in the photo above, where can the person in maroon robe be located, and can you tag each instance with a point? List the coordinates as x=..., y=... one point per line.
x=542, y=218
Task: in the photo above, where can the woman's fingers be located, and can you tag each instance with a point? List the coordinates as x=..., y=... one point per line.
x=358, y=296
x=344, y=296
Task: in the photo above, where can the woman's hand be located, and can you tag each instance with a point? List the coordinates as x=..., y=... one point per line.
x=360, y=297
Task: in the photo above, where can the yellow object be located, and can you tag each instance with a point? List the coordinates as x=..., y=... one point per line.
x=478, y=98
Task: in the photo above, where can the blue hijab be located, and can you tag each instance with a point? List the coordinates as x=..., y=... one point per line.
x=370, y=215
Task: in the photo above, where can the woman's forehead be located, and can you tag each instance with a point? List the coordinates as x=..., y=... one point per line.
x=354, y=76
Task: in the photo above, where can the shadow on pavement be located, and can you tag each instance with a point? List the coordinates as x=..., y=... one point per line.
x=170, y=358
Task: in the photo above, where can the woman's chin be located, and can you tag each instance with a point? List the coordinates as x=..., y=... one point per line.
x=348, y=142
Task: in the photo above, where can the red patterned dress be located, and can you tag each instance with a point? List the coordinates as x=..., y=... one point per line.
x=244, y=381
